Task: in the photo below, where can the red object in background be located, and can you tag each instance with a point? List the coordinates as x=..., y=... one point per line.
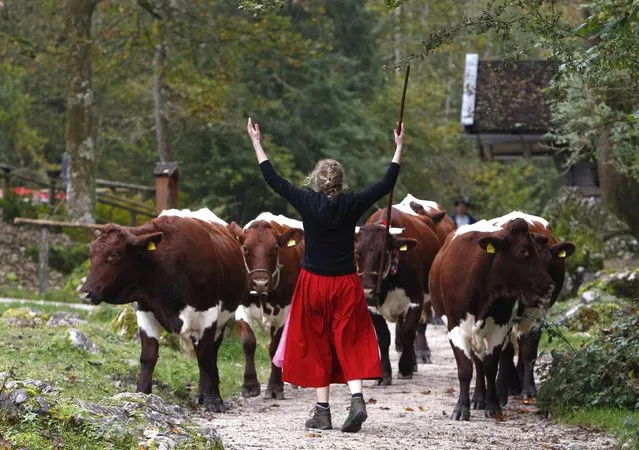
x=40, y=196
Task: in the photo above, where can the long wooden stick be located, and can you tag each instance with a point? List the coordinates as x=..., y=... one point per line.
x=382, y=263
x=55, y=223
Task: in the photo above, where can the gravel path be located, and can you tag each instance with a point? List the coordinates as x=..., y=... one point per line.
x=410, y=414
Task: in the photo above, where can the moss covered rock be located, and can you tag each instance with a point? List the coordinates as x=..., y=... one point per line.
x=23, y=317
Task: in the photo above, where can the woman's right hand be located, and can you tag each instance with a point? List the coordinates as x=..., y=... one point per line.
x=399, y=138
x=253, y=131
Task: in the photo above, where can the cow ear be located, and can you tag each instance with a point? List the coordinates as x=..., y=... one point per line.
x=437, y=217
x=490, y=244
x=98, y=233
x=236, y=231
x=562, y=250
x=146, y=242
x=290, y=238
x=404, y=244
x=417, y=208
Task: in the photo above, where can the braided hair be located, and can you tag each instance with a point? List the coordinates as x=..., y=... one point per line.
x=327, y=177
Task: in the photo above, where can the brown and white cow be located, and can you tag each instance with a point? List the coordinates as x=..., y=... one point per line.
x=185, y=271
x=404, y=286
x=477, y=280
x=273, y=247
x=526, y=332
x=434, y=215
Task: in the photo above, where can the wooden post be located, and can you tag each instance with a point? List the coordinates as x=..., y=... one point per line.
x=134, y=218
x=167, y=186
x=6, y=171
x=53, y=175
x=43, y=261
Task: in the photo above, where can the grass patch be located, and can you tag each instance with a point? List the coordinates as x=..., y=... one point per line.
x=47, y=354
x=51, y=295
x=569, y=339
x=622, y=423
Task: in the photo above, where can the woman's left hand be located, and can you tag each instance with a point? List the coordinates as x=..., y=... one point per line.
x=254, y=131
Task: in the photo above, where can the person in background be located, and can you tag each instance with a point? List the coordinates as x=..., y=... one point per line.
x=461, y=216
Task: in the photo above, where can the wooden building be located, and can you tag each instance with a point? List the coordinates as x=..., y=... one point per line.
x=506, y=112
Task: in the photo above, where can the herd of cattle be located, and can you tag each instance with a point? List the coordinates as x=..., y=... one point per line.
x=190, y=272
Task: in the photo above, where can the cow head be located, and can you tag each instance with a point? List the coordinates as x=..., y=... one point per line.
x=435, y=216
x=521, y=262
x=261, y=244
x=117, y=261
x=370, y=245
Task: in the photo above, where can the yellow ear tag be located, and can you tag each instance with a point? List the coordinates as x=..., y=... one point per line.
x=562, y=254
x=490, y=248
x=291, y=243
x=403, y=248
x=150, y=246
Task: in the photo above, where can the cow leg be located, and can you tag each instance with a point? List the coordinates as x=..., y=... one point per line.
x=491, y=364
x=507, y=378
x=398, y=331
x=383, y=339
x=479, y=396
x=422, y=350
x=251, y=385
x=528, y=352
x=407, y=358
x=207, y=349
x=148, y=359
x=275, y=387
x=465, y=375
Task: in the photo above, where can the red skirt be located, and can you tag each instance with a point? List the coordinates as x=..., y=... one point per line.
x=330, y=337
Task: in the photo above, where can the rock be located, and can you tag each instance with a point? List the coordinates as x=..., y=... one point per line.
x=589, y=297
x=23, y=318
x=64, y=319
x=81, y=341
x=19, y=396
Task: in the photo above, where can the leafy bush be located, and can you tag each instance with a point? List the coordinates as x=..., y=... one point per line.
x=502, y=188
x=63, y=259
x=604, y=373
x=13, y=206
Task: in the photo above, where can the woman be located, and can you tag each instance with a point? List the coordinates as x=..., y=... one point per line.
x=330, y=336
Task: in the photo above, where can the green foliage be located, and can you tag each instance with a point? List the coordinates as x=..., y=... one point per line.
x=61, y=258
x=13, y=206
x=501, y=188
x=621, y=422
x=604, y=373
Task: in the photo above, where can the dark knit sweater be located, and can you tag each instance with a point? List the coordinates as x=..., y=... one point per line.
x=329, y=223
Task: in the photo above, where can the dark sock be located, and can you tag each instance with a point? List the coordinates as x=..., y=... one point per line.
x=358, y=395
x=322, y=405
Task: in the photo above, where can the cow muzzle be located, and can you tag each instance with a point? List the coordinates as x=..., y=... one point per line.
x=260, y=286
x=91, y=297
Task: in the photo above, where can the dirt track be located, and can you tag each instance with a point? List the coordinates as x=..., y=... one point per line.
x=411, y=414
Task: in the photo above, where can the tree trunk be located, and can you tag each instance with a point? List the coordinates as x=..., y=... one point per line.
x=80, y=140
x=161, y=122
x=619, y=192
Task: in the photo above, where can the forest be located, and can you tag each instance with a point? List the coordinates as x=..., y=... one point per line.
x=323, y=78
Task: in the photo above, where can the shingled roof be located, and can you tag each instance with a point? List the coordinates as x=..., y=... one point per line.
x=510, y=97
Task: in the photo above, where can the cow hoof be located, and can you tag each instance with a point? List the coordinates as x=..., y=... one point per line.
x=503, y=400
x=514, y=391
x=274, y=394
x=478, y=404
x=217, y=406
x=401, y=376
x=528, y=395
x=424, y=357
x=492, y=413
x=398, y=347
x=386, y=381
x=461, y=414
x=251, y=391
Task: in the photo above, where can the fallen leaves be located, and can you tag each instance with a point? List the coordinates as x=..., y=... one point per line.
x=312, y=434
x=422, y=409
x=385, y=408
x=500, y=417
x=450, y=390
x=426, y=392
x=409, y=409
x=371, y=401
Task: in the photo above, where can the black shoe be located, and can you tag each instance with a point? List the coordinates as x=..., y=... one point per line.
x=320, y=419
x=356, y=417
